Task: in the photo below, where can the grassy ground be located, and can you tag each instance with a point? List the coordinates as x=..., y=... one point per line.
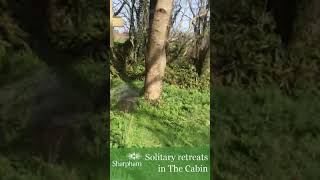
x=36, y=169
x=264, y=134
x=182, y=119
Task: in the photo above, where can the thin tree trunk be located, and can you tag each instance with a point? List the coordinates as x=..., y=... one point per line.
x=156, y=58
x=132, y=19
x=141, y=34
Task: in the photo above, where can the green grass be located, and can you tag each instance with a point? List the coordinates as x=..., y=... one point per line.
x=36, y=169
x=264, y=134
x=182, y=119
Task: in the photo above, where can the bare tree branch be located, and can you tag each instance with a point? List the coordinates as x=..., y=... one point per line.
x=192, y=21
x=191, y=9
x=120, y=9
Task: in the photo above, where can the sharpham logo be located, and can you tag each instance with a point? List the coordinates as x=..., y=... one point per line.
x=130, y=163
x=134, y=156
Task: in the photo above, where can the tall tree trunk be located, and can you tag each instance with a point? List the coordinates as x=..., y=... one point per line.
x=156, y=58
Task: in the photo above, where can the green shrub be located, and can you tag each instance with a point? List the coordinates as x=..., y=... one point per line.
x=16, y=66
x=184, y=75
x=91, y=71
x=75, y=25
x=251, y=54
x=247, y=46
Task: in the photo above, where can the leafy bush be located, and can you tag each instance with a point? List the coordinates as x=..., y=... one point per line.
x=16, y=66
x=74, y=25
x=247, y=47
x=180, y=71
x=250, y=53
x=11, y=34
x=184, y=75
x=91, y=71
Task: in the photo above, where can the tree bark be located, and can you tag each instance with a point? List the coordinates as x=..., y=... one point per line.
x=152, y=8
x=156, y=57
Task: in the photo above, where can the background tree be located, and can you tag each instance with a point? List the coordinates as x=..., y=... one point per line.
x=141, y=35
x=200, y=22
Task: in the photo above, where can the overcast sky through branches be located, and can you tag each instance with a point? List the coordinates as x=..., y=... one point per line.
x=182, y=21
